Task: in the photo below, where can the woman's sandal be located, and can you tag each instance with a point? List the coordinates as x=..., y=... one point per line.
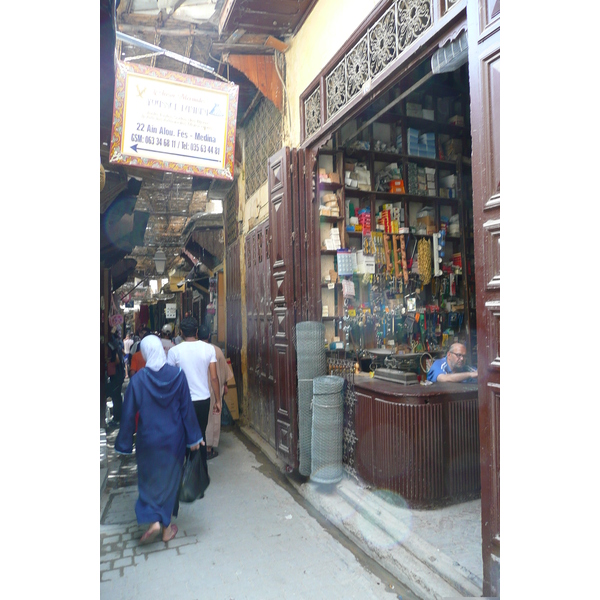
x=174, y=530
x=150, y=536
x=212, y=454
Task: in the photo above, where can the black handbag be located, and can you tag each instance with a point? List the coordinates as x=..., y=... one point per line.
x=195, y=479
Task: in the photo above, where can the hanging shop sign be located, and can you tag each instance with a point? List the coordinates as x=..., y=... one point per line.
x=171, y=311
x=173, y=122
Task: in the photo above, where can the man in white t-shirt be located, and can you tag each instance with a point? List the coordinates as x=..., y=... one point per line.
x=127, y=343
x=198, y=361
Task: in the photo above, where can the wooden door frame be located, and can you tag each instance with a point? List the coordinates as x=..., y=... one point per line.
x=484, y=81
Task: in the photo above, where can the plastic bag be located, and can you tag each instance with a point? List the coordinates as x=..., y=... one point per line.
x=195, y=479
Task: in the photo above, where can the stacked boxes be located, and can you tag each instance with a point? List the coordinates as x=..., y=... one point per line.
x=421, y=144
x=426, y=219
x=427, y=145
x=399, y=143
x=421, y=181
x=384, y=178
x=333, y=242
x=390, y=218
x=413, y=181
x=448, y=186
x=414, y=110
x=334, y=235
x=430, y=176
x=329, y=206
x=364, y=220
x=413, y=141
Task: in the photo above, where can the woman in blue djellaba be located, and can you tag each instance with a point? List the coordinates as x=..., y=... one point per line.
x=167, y=425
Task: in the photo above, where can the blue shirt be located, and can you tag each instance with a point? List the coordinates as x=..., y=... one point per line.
x=441, y=366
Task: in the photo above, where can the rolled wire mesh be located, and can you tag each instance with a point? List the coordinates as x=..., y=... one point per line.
x=311, y=362
x=327, y=429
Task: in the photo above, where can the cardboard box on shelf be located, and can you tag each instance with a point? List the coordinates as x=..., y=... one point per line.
x=426, y=217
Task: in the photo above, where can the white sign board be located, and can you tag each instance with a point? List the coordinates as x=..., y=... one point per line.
x=173, y=122
x=171, y=311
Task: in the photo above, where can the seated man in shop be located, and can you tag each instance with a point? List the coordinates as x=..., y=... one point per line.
x=453, y=367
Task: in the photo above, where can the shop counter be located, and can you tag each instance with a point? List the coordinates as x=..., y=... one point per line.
x=418, y=441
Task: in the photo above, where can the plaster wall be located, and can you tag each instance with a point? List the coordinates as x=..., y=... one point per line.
x=326, y=29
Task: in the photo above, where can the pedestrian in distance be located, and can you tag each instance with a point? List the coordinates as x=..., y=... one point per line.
x=224, y=373
x=167, y=425
x=137, y=359
x=116, y=375
x=165, y=337
x=198, y=361
x=127, y=343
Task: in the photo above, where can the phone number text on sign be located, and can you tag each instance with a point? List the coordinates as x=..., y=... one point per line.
x=174, y=125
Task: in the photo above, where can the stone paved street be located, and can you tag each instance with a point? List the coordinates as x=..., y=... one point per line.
x=248, y=539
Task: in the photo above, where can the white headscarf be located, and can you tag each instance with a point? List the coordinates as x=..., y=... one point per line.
x=153, y=352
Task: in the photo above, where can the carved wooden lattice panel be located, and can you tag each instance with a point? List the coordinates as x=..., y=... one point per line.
x=264, y=137
x=384, y=41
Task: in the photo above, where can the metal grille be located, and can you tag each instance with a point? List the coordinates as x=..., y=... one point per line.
x=336, y=89
x=414, y=17
x=357, y=67
x=402, y=24
x=312, y=113
x=345, y=368
x=264, y=137
x=382, y=42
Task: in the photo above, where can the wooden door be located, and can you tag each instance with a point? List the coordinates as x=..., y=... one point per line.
x=251, y=330
x=233, y=295
x=307, y=249
x=282, y=248
x=484, y=82
x=264, y=334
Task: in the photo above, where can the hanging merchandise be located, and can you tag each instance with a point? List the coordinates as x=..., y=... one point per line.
x=424, y=253
x=404, y=263
x=115, y=318
x=348, y=288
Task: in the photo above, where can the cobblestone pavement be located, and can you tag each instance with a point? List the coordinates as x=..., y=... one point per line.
x=248, y=539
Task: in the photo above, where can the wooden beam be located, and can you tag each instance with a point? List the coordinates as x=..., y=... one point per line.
x=261, y=71
x=273, y=42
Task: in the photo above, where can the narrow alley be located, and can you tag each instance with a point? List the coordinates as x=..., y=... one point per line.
x=251, y=537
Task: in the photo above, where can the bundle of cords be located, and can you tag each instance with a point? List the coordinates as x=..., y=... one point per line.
x=424, y=250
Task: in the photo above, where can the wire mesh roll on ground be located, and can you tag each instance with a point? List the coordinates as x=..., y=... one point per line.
x=305, y=394
x=310, y=349
x=311, y=362
x=327, y=429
